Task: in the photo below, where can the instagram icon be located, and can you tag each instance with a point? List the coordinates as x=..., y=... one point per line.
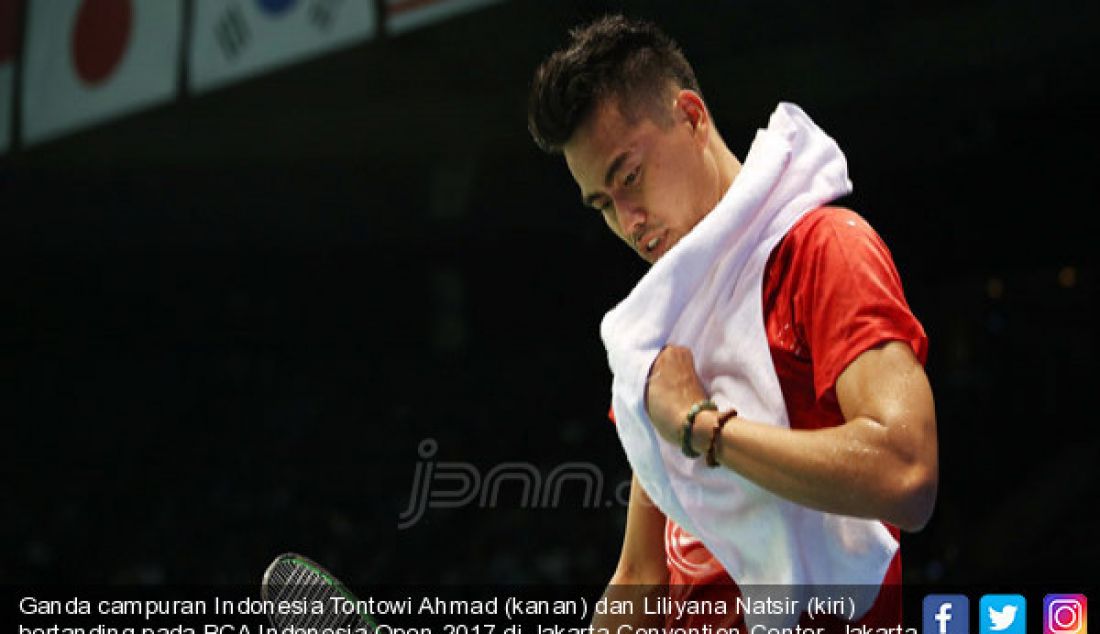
x=1065, y=614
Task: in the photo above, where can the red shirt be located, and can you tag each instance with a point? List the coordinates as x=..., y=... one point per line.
x=830, y=293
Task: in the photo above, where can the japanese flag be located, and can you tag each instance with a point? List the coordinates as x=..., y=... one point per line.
x=235, y=39
x=405, y=15
x=9, y=30
x=87, y=61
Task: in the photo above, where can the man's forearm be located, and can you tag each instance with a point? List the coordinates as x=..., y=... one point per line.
x=882, y=463
x=853, y=469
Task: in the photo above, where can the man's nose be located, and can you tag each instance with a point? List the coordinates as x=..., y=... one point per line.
x=631, y=217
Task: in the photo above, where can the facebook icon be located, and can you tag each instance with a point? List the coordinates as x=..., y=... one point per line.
x=946, y=614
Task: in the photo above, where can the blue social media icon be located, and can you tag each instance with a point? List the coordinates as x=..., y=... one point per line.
x=946, y=614
x=1002, y=614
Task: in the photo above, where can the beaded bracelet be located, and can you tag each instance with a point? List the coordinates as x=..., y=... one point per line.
x=689, y=423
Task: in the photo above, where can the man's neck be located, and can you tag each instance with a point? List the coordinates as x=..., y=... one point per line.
x=727, y=165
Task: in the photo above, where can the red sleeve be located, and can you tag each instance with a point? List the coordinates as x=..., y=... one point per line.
x=849, y=296
x=611, y=415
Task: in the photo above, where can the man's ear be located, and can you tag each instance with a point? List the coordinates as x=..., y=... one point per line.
x=690, y=106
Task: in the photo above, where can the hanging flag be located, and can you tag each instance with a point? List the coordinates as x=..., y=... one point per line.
x=405, y=15
x=235, y=39
x=87, y=61
x=9, y=31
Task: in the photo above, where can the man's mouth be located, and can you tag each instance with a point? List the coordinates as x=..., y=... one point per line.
x=651, y=246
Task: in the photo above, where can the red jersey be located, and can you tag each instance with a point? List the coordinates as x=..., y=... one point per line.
x=830, y=293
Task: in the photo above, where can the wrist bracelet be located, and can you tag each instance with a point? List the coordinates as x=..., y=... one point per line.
x=712, y=450
x=689, y=424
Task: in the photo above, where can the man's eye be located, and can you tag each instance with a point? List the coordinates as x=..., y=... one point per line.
x=632, y=177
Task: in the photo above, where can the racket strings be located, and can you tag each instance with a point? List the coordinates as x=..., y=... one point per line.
x=291, y=581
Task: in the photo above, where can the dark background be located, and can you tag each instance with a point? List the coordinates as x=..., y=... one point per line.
x=230, y=321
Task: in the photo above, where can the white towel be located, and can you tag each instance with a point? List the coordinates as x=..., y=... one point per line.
x=705, y=294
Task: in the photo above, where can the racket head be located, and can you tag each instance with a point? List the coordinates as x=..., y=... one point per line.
x=295, y=577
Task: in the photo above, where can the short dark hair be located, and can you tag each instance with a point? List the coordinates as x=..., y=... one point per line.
x=631, y=60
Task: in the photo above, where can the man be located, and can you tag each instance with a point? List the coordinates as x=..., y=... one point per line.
x=623, y=106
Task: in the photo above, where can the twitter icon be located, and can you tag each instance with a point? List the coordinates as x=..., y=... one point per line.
x=1002, y=614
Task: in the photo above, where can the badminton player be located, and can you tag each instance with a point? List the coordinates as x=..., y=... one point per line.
x=622, y=105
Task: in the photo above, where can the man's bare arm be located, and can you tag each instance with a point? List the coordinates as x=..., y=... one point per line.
x=882, y=463
x=641, y=571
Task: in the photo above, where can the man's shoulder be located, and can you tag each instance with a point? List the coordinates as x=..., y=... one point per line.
x=828, y=223
x=828, y=239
